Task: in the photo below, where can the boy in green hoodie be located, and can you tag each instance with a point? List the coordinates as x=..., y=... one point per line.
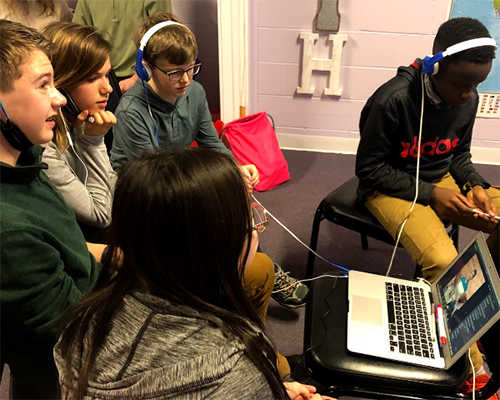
x=46, y=265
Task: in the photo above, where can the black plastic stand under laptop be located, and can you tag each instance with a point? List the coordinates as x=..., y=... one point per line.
x=344, y=373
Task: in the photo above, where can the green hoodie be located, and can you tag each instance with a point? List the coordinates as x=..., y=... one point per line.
x=45, y=264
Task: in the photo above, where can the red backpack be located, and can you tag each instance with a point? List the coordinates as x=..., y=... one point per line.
x=252, y=140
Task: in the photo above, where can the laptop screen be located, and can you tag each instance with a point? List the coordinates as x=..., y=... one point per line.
x=467, y=295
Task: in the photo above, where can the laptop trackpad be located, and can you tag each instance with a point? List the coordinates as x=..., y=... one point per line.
x=366, y=309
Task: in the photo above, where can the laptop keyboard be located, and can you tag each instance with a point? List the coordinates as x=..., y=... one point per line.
x=409, y=330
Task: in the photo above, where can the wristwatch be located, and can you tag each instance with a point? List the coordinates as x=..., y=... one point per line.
x=469, y=185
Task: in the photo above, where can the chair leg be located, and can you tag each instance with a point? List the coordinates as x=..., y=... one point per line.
x=418, y=271
x=364, y=241
x=318, y=217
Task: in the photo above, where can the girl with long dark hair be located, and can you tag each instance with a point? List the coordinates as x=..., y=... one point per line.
x=175, y=322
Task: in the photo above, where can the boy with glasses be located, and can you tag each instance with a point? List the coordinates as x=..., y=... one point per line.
x=166, y=107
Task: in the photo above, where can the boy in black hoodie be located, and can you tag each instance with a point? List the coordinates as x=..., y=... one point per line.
x=448, y=185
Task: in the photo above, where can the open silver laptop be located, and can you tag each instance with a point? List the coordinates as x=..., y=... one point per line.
x=396, y=319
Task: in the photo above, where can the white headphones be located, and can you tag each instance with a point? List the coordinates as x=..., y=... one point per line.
x=142, y=69
x=430, y=64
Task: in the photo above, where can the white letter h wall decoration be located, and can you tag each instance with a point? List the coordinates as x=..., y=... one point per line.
x=310, y=64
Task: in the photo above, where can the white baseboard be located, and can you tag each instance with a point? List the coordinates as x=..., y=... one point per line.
x=325, y=144
x=322, y=144
x=485, y=155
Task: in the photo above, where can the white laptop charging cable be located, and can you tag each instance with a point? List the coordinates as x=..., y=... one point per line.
x=473, y=377
x=306, y=280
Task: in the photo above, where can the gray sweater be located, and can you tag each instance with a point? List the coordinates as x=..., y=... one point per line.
x=157, y=350
x=178, y=125
x=91, y=202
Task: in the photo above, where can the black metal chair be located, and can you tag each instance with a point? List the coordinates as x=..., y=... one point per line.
x=342, y=207
x=342, y=373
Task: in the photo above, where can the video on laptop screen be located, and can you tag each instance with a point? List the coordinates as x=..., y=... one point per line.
x=467, y=296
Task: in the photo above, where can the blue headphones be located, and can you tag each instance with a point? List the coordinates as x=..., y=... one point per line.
x=430, y=64
x=142, y=68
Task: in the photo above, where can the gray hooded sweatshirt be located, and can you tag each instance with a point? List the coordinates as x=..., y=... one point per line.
x=157, y=350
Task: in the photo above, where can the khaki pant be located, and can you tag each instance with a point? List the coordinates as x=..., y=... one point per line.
x=258, y=283
x=424, y=235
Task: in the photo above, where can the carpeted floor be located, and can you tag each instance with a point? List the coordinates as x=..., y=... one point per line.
x=313, y=176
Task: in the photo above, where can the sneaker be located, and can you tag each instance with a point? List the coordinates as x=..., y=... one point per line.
x=288, y=291
x=481, y=381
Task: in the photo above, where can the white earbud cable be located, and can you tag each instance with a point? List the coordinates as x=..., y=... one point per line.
x=296, y=238
x=90, y=192
x=417, y=177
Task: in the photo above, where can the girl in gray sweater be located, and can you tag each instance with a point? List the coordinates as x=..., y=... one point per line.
x=77, y=157
x=175, y=322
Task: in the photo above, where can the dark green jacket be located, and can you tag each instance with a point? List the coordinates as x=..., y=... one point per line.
x=45, y=264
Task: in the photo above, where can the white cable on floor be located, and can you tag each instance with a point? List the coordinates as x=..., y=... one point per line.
x=295, y=236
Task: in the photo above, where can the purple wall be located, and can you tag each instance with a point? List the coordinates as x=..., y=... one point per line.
x=382, y=35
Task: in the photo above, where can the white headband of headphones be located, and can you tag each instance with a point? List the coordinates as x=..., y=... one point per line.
x=469, y=44
x=155, y=29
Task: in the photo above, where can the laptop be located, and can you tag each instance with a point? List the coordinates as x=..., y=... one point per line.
x=397, y=319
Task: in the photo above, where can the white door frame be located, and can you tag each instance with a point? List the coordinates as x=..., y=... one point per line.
x=232, y=22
